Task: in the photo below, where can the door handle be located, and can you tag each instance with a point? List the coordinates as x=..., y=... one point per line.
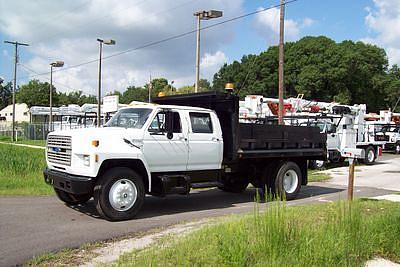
x=183, y=139
x=215, y=139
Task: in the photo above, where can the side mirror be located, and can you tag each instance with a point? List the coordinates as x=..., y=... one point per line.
x=169, y=124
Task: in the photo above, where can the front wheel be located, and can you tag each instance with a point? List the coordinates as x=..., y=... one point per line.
x=317, y=164
x=72, y=199
x=119, y=194
x=287, y=181
x=397, y=148
x=369, y=155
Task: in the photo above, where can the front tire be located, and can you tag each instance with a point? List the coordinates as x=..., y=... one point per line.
x=72, y=199
x=119, y=194
x=287, y=181
x=397, y=148
x=317, y=164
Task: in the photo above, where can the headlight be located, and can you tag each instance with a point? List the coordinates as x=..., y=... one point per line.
x=86, y=160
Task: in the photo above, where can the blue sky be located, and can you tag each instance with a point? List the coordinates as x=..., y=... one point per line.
x=71, y=35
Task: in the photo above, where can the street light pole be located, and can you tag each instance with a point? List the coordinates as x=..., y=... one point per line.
x=101, y=42
x=56, y=64
x=15, y=83
x=51, y=99
x=196, y=85
x=202, y=15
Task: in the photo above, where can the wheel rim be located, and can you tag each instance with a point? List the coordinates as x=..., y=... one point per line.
x=122, y=195
x=290, y=181
x=371, y=156
x=319, y=163
x=398, y=149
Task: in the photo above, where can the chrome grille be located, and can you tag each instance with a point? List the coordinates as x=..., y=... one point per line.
x=59, y=149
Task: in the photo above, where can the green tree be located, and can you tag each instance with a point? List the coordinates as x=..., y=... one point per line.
x=133, y=93
x=5, y=95
x=36, y=93
x=321, y=69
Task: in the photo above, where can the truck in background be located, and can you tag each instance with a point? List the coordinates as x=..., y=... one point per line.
x=346, y=126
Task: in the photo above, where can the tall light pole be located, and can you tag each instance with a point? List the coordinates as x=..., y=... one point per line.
x=101, y=42
x=15, y=83
x=56, y=64
x=202, y=15
x=281, y=61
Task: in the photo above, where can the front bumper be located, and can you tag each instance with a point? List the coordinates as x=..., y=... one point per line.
x=74, y=184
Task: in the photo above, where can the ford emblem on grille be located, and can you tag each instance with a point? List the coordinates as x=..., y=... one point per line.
x=56, y=149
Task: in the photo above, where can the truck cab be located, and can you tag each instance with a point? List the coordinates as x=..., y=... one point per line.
x=392, y=135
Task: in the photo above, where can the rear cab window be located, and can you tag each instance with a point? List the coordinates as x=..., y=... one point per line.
x=201, y=122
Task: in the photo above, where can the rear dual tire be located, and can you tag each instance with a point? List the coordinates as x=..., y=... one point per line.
x=281, y=180
x=287, y=181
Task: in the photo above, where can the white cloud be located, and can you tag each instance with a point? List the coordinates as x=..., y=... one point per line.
x=383, y=22
x=211, y=63
x=307, y=22
x=67, y=30
x=267, y=23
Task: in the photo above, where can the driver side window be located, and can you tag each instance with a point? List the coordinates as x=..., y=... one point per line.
x=158, y=123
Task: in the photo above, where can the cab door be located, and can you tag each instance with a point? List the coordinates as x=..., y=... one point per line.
x=165, y=153
x=205, y=142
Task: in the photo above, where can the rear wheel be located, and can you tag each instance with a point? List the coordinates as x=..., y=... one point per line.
x=72, y=199
x=287, y=181
x=119, y=194
x=369, y=155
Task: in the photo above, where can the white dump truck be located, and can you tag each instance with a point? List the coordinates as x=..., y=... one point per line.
x=182, y=142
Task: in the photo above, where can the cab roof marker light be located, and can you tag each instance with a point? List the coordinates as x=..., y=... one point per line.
x=95, y=143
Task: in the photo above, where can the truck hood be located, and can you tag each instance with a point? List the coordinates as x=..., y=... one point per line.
x=101, y=133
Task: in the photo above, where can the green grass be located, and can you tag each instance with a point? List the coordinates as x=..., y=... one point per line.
x=314, y=235
x=317, y=176
x=21, y=171
x=66, y=257
x=24, y=141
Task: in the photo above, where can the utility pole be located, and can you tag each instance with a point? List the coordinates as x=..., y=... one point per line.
x=281, y=61
x=16, y=44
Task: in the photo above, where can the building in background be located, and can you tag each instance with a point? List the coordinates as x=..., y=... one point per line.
x=21, y=113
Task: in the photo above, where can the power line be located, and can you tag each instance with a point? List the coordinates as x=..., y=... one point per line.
x=35, y=72
x=122, y=9
x=177, y=36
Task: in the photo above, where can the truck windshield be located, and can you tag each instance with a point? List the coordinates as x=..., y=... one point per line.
x=390, y=129
x=129, y=118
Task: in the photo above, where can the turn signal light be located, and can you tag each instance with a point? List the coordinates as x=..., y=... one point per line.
x=95, y=143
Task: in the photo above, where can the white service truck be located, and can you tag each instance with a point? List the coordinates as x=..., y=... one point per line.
x=391, y=133
x=183, y=142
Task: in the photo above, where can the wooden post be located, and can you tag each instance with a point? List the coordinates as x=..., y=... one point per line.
x=350, y=187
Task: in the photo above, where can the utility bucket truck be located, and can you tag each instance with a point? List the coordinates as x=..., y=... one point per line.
x=179, y=143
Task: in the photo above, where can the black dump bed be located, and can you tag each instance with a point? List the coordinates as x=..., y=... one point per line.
x=254, y=140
